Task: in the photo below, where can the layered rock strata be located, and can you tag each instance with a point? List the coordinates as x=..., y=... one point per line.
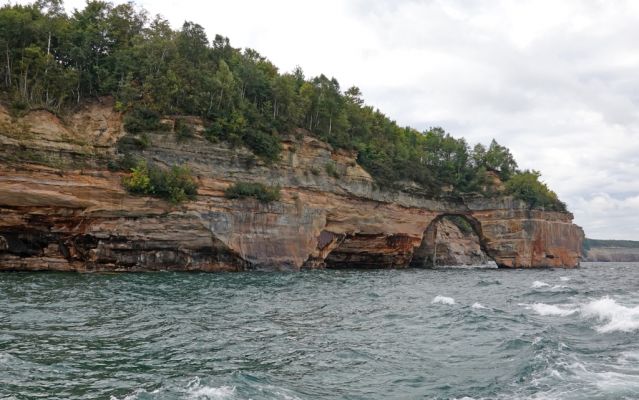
x=62, y=209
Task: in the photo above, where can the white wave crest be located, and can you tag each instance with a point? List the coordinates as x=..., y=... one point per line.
x=559, y=287
x=549, y=309
x=617, y=317
x=198, y=391
x=539, y=284
x=564, y=279
x=609, y=381
x=478, y=306
x=443, y=300
x=136, y=394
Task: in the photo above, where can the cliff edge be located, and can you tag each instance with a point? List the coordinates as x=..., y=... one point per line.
x=63, y=209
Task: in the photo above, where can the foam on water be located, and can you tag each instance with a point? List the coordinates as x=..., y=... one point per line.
x=539, y=284
x=564, y=279
x=607, y=381
x=270, y=336
x=443, y=300
x=616, y=317
x=549, y=309
x=198, y=391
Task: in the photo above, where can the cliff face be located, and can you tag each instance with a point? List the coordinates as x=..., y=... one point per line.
x=612, y=254
x=62, y=209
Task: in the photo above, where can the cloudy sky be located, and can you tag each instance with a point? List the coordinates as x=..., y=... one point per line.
x=555, y=81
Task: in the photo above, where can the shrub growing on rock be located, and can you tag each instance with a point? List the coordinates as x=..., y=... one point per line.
x=142, y=120
x=331, y=170
x=183, y=130
x=263, y=193
x=175, y=184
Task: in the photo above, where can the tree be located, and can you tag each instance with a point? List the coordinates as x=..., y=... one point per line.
x=527, y=187
x=499, y=159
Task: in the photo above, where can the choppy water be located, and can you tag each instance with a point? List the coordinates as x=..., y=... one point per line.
x=398, y=334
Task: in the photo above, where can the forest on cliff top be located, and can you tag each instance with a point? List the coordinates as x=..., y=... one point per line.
x=55, y=60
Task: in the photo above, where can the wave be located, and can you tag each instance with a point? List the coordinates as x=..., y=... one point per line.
x=193, y=390
x=564, y=278
x=478, y=306
x=539, y=284
x=198, y=391
x=609, y=381
x=616, y=317
x=443, y=300
x=559, y=287
x=549, y=309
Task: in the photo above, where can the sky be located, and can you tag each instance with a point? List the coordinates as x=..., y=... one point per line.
x=555, y=81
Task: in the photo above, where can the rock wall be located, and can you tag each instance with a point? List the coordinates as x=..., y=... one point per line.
x=612, y=254
x=62, y=209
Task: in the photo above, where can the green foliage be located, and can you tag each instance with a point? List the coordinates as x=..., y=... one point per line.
x=133, y=142
x=527, y=187
x=331, y=170
x=263, y=193
x=142, y=120
x=53, y=59
x=235, y=131
x=629, y=244
x=183, y=130
x=462, y=223
x=125, y=163
x=263, y=144
x=175, y=184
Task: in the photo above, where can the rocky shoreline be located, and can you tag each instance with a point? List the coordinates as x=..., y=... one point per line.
x=62, y=209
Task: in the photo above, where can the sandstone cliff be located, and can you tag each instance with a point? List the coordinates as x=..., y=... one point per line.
x=612, y=254
x=62, y=209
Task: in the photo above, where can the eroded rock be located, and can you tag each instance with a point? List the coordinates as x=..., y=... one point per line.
x=67, y=216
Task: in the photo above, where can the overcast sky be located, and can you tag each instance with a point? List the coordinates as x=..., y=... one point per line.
x=555, y=81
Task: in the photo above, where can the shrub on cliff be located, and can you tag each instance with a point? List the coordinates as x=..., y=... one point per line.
x=331, y=170
x=183, y=130
x=142, y=120
x=263, y=193
x=527, y=187
x=235, y=131
x=175, y=184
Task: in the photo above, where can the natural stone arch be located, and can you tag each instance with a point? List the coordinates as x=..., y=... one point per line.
x=425, y=255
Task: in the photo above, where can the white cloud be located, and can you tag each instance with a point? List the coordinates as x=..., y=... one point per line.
x=556, y=81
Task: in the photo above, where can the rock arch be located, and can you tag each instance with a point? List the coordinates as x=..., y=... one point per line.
x=425, y=255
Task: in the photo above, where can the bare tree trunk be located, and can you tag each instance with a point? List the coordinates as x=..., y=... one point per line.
x=26, y=76
x=46, y=69
x=79, y=81
x=330, y=125
x=8, y=76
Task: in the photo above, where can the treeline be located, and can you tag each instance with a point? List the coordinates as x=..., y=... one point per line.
x=591, y=243
x=54, y=60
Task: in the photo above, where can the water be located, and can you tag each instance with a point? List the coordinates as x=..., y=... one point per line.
x=388, y=334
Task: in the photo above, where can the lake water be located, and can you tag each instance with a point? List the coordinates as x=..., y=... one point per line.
x=387, y=334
